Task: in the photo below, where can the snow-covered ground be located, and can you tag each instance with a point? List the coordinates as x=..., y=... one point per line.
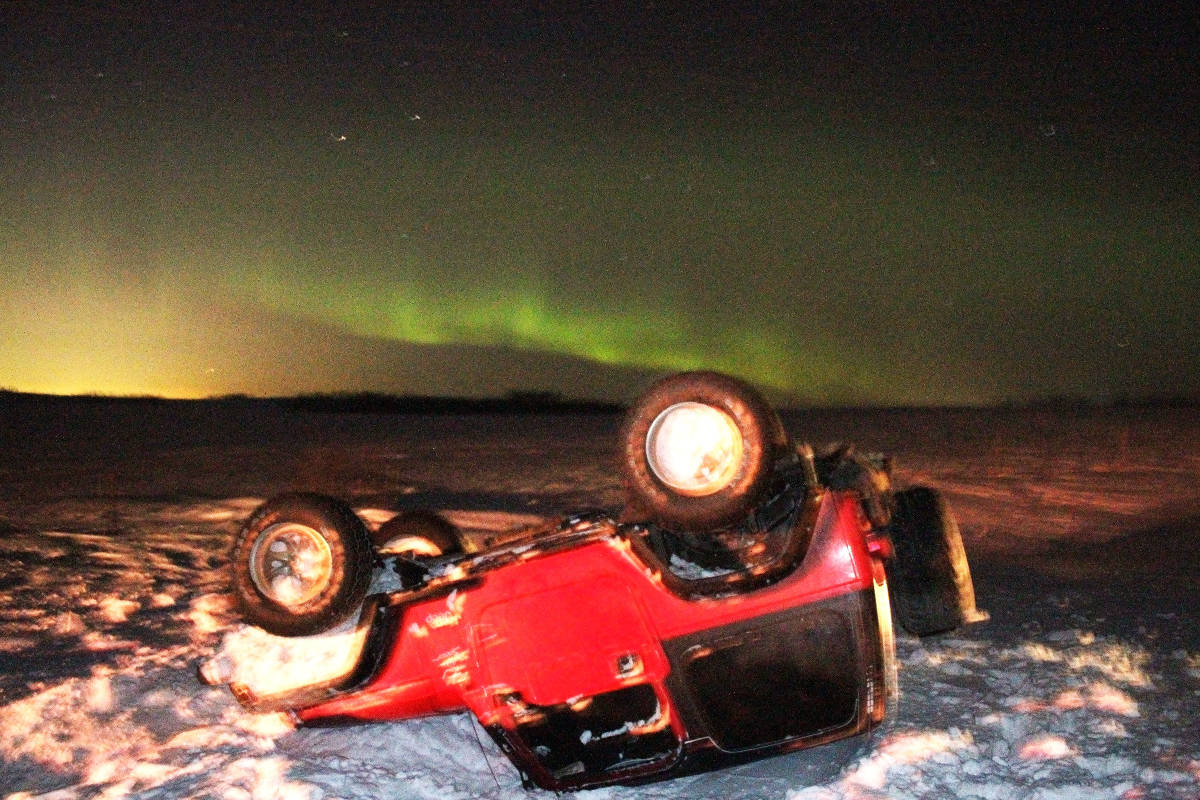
x=1083, y=527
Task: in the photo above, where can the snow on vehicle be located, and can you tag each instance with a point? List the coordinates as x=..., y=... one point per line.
x=740, y=606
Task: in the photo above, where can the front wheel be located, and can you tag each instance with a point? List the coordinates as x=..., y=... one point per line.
x=418, y=532
x=413, y=537
x=929, y=576
x=301, y=564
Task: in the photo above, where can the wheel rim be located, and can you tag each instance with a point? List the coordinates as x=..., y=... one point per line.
x=291, y=563
x=694, y=448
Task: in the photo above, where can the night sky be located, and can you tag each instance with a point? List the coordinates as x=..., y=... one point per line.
x=844, y=202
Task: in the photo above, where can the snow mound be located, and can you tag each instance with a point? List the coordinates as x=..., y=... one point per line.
x=268, y=664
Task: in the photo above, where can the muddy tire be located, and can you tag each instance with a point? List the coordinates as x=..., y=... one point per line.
x=759, y=440
x=929, y=577
x=418, y=533
x=412, y=537
x=301, y=564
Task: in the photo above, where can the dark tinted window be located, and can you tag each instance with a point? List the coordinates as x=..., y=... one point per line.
x=786, y=680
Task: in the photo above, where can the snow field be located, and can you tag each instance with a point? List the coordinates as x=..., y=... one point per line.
x=1084, y=684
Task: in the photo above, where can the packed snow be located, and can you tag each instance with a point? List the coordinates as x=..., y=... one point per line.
x=115, y=519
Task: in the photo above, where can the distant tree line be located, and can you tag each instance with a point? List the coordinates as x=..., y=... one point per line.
x=1079, y=402
x=524, y=402
x=512, y=403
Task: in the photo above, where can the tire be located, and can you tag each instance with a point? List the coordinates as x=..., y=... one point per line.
x=929, y=577
x=418, y=533
x=414, y=536
x=762, y=441
x=316, y=534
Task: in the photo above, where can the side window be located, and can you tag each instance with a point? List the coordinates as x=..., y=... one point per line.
x=797, y=677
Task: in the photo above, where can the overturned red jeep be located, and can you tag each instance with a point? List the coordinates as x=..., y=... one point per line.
x=740, y=605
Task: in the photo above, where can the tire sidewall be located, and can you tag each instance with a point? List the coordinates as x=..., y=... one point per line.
x=350, y=572
x=929, y=576
x=424, y=524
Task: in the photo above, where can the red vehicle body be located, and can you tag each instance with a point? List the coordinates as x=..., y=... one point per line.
x=585, y=630
x=592, y=655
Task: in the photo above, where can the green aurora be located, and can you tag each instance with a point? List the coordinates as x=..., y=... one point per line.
x=836, y=249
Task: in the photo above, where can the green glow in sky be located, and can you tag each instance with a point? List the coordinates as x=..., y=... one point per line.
x=641, y=334
x=355, y=206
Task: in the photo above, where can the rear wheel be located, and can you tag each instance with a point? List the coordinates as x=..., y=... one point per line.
x=698, y=451
x=301, y=564
x=929, y=576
